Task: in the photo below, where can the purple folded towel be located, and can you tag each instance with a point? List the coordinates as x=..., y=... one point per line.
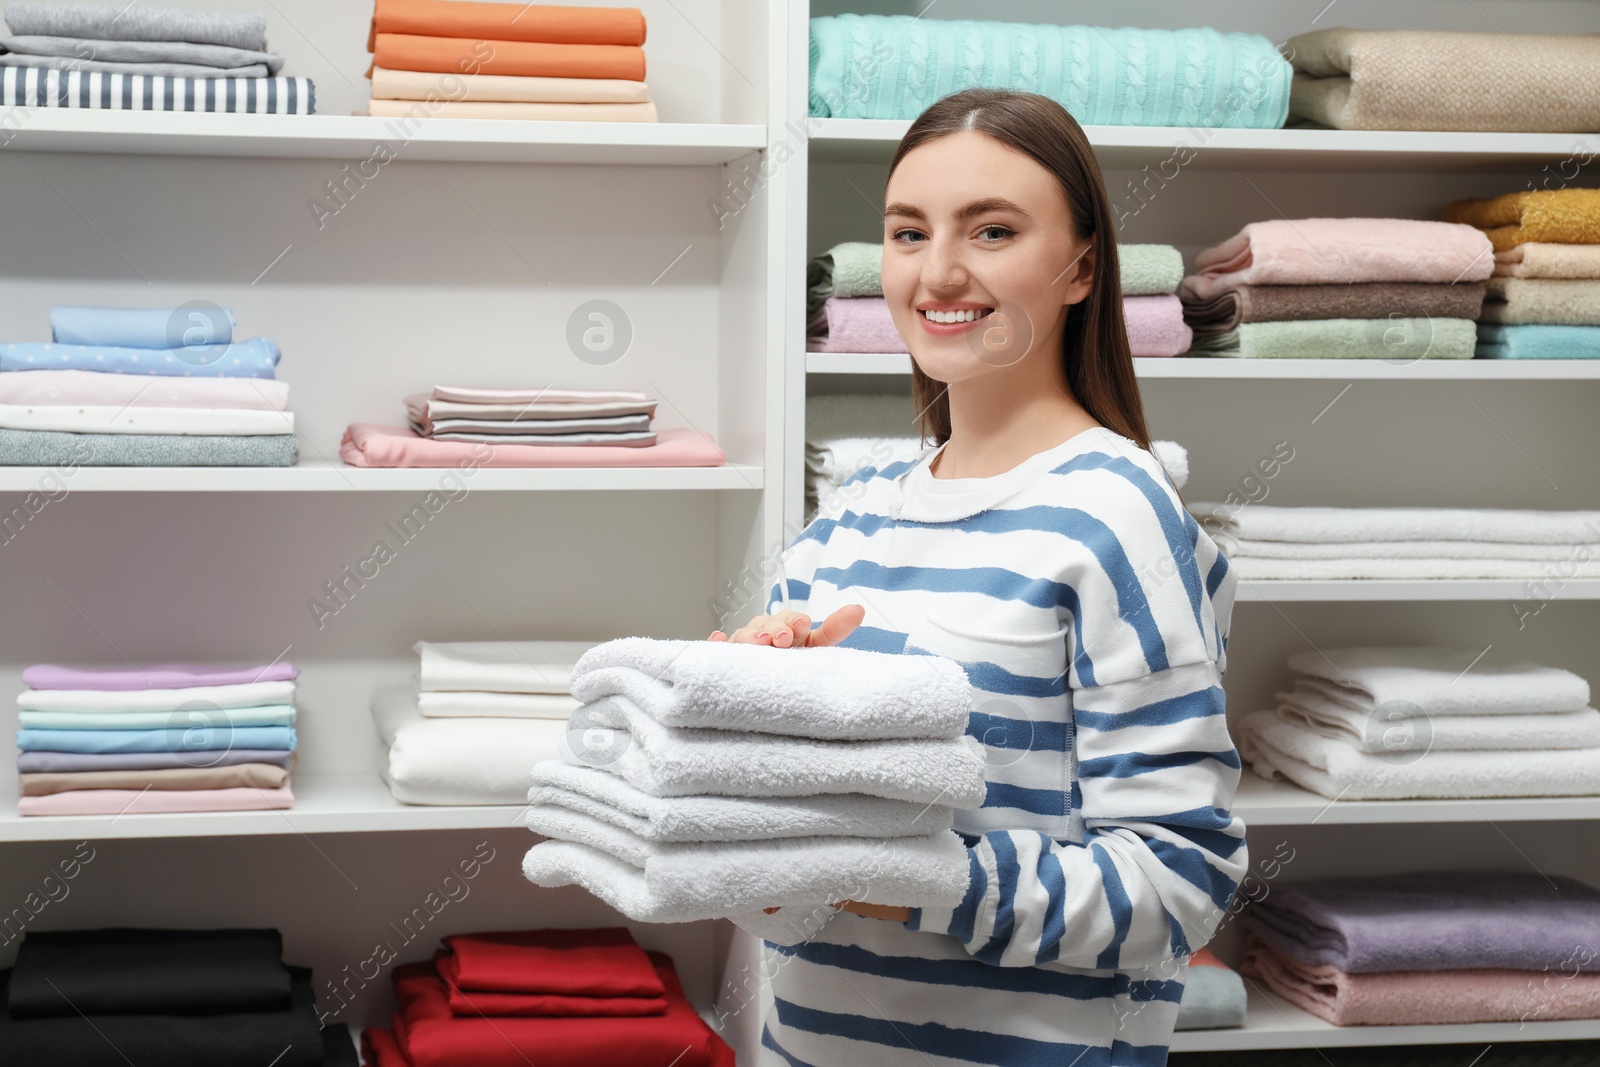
x=165, y=676
x=71, y=762
x=1155, y=325
x=1434, y=921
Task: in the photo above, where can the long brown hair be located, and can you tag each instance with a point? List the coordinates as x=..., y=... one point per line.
x=1094, y=350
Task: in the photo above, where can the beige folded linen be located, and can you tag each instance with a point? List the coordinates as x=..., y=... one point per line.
x=1434, y=80
x=1538, y=259
x=238, y=775
x=420, y=85
x=1556, y=301
x=474, y=109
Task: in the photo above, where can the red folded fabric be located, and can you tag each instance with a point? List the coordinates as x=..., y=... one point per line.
x=378, y=1049
x=476, y=1002
x=601, y=962
x=430, y=1035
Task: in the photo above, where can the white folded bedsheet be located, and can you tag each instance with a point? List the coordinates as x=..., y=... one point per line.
x=459, y=704
x=498, y=666
x=211, y=422
x=244, y=695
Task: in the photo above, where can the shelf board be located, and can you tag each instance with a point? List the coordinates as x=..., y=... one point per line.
x=1283, y=591
x=326, y=476
x=1201, y=367
x=1262, y=803
x=1163, y=148
x=356, y=137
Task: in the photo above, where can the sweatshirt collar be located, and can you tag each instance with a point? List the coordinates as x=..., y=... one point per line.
x=920, y=497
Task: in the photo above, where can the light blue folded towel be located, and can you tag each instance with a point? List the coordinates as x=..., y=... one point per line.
x=1537, y=341
x=895, y=66
x=218, y=718
x=254, y=358
x=193, y=324
x=191, y=739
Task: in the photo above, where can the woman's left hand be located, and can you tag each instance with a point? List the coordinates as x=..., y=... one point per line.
x=876, y=911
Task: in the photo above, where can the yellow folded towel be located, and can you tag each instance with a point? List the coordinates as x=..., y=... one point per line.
x=1559, y=216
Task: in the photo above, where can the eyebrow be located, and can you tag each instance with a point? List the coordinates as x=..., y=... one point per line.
x=977, y=207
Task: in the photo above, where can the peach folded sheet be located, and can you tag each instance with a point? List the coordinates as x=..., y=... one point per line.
x=548, y=23
x=367, y=444
x=456, y=55
x=155, y=801
x=488, y=109
x=419, y=85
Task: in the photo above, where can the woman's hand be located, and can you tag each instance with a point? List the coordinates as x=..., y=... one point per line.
x=792, y=629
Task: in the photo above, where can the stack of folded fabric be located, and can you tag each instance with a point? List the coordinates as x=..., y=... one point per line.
x=476, y=717
x=707, y=779
x=155, y=739
x=1430, y=948
x=1213, y=995
x=144, y=387
x=117, y=57
x=1544, y=296
x=527, y=428
x=1264, y=541
x=897, y=66
x=1436, y=80
x=163, y=998
x=556, y=998
x=1504, y=1054
x=474, y=60
x=846, y=432
x=1427, y=722
x=846, y=311
x=1339, y=289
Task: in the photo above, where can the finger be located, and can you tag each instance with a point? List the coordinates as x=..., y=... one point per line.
x=746, y=634
x=769, y=911
x=777, y=632
x=838, y=626
x=796, y=627
x=717, y=635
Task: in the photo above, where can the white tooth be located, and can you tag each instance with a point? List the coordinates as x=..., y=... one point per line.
x=969, y=315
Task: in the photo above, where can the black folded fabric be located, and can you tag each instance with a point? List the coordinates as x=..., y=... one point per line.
x=337, y=1048
x=121, y=971
x=287, y=1038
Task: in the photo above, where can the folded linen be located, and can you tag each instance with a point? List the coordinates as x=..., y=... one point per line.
x=1396, y=338
x=450, y=55
x=510, y=22
x=73, y=762
x=1149, y=270
x=828, y=693
x=87, y=418
x=1434, y=80
x=1383, y=731
x=1155, y=325
x=1111, y=77
x=232, y=776
x=472, y=1002
x=1362, y=300
x=1269, y=522
x=1557, y=301
x=156, y=801
x=631, y=439
x=520, y=398
x=599, y=962
x=31, y=87
x=1556, y=216
x=67, y=387
x=613, y=424
x=836, y=459
x=1434, y=921
x=155, y=328
x=1425, y=998
x=164, y=676
x=848, y=269
x=537, y=111
x=1256, y=568
x=498, y=666
x=419, y=85
x=670, y=820
x=78, y=65
x=230, y=62
x=496, y=705
x=688, y=882
x=853, y=324
x=1213, y=995
x=1347, y=250
x=254, y=358
x=1538, y=341
x=420, y=407
x=112, y=22
x=1441, y=680
x=366, y=444
x=670, y=761
x=45, y=448
x=1540, y=260
x=198, y=742
x=1399, y=550
x=239, y=695
x=216, y=718
x=458, y=761
x=1278, y=749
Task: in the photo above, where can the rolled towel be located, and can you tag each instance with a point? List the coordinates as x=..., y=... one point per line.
x=1149, y=270
x=1316, y=708
x=1155, y=325
x=458, y=761
x=1397, y=338
x=498, y=666
x=1363, y=300
x=709, y=818
x=1539, y=260
x=829, y=693
x=1557, y=216
x=1213, y=995
x=1440, y=680
x=1318, y=525
x=1538, y=341
x=1554, y=301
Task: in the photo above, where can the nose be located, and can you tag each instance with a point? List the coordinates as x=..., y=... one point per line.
x=944, y=264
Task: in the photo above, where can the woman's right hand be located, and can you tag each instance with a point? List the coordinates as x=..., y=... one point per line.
x=792, y=629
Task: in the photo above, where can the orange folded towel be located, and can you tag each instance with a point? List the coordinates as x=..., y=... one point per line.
x=457, y=55
x=1555, y=216
x=509, y=22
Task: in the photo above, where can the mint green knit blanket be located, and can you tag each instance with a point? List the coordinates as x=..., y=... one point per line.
x=895, y=66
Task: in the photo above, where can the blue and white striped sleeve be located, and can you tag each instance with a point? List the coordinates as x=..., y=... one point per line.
x=1156, y=770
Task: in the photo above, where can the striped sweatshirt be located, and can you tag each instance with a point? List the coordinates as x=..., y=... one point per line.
x=1091, y=614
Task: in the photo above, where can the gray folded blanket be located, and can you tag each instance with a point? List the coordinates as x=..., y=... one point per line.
x=162, y=70
x=132, y=22
x=222, y=57
x=1364, y=300
x=48, y=448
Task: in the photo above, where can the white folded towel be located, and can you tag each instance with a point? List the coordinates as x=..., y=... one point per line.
x=498, y=666
x=1277, y=748
x=1257, y=568
x=1263, y=522
x=1429, y=550
x=836, y=459
x=1379, y=732
x=1438, y=680
x=458, y=761
x=614, y=735
x=243, y=695
x=479, y=705
x=841, y=693
x=679, y=819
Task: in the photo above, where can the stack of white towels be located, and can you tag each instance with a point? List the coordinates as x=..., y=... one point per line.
x=848, y=432
x=1427, y=723
x=707, y=779
x=1268, y=542
x=474, y=718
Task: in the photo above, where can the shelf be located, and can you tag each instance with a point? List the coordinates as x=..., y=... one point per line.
x=1283, y=592
x=1262, y=803
x=325, y=476
x=1162, y=148
x=323, y=804
x=356, y=137
x=1199, y=368
x=1272, y=1022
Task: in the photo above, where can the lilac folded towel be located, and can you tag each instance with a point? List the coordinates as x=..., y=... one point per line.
x=1155, y=325
x=853, y=324
x=165, y=676
x=1434, y=921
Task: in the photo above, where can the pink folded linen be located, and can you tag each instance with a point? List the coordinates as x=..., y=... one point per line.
x=367, y=444
x=156, y=801
x=165, y=676
x=1323, y=251
x=95, y=388
x=854, y=324
x=464, y=395
x=1155, y=325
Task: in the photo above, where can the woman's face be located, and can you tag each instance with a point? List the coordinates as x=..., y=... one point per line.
x=978, y=233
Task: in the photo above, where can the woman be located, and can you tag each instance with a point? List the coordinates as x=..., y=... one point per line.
x=1043, y=547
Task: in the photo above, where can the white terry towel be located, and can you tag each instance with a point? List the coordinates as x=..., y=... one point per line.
x=689, y=882
x=243, y=695
x=838, y=693
x=1438, y=680
x=1262, y=522
x=679, y=819
x=667, y=761
x=454, y=704
x=1380, y=732
x=458, y=761
x=498, y=666
x=1277, y=748
x=1581, y=561
x=1428, y=550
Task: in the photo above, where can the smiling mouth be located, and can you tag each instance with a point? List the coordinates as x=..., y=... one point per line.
x=951, y=317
